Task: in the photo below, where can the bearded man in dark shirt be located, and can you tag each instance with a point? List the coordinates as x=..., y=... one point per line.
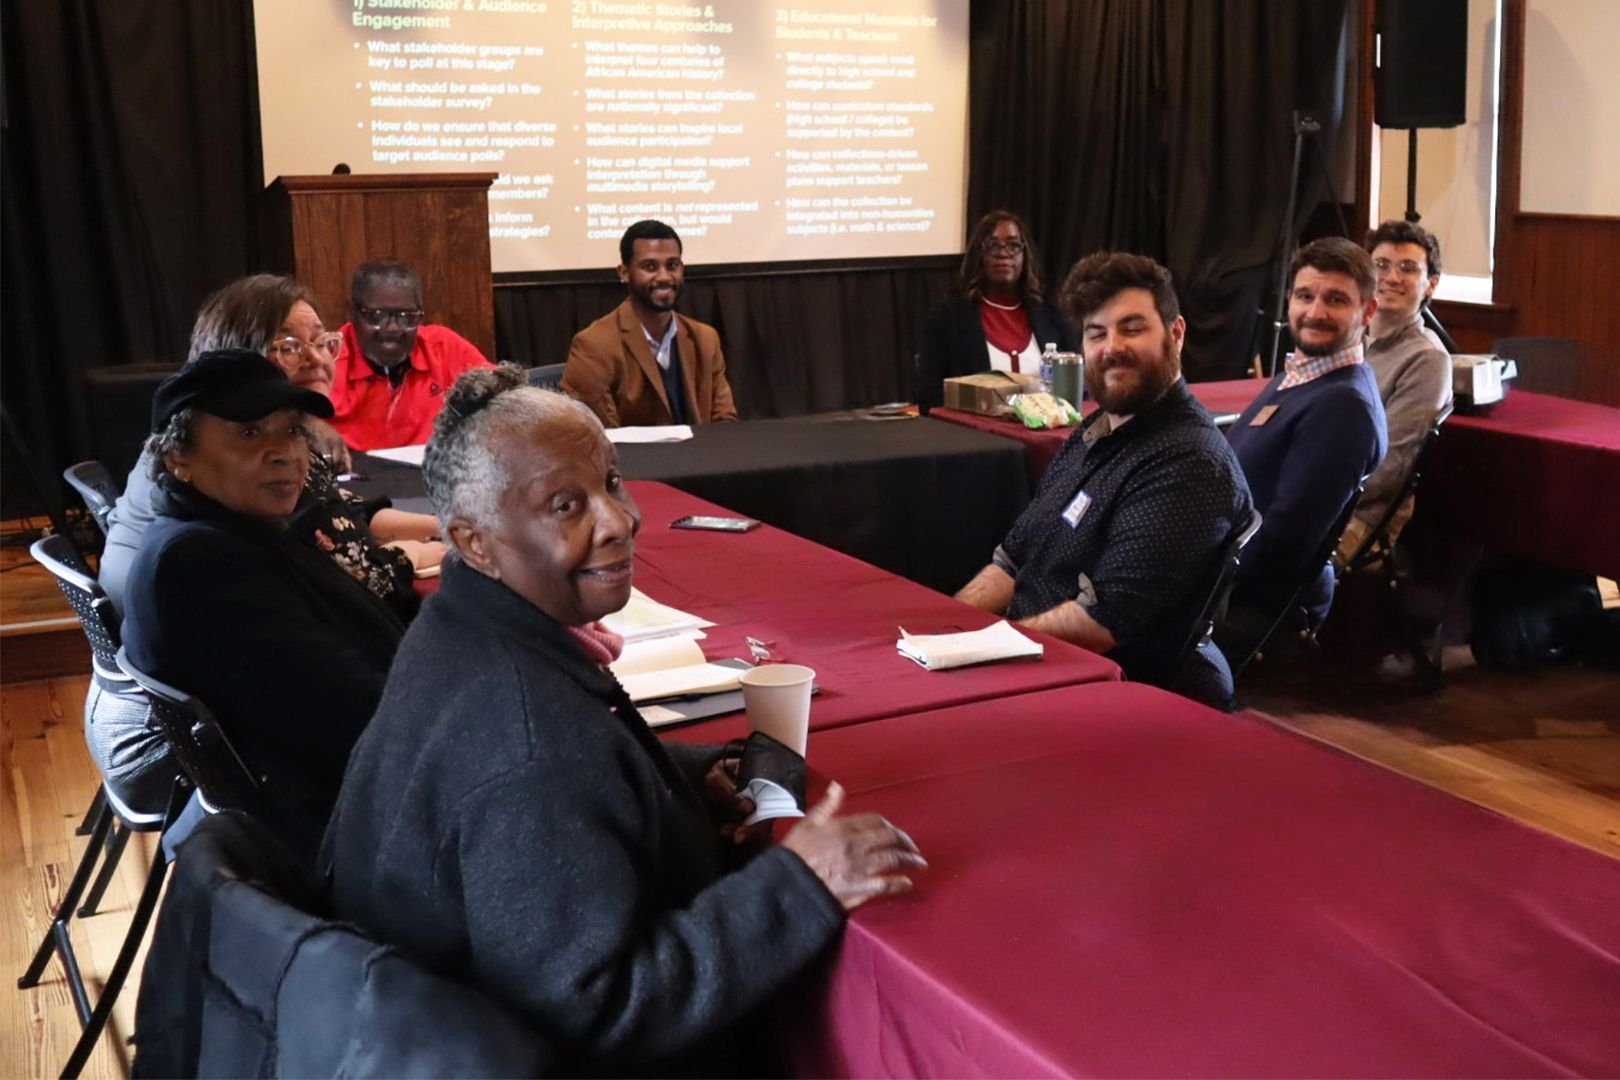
x=1114, y=549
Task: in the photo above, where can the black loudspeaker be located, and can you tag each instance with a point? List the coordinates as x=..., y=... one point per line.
x=1422, y=77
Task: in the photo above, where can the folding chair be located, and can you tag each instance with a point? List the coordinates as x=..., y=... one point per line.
x=1217, y=587
x=109, y=821
x=547, y=376
x=247, y=977
x=96, y=487
x=1292, y=609
x=1378, y=553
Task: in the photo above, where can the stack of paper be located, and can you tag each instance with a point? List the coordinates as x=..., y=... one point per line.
x=668, y=668
x=936, y=652
x=643, y=618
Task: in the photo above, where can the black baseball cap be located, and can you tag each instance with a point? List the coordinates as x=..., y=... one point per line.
x=234, y=384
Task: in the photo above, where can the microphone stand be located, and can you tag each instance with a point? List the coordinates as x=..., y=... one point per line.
x=1305, y=124
x=1430, y=319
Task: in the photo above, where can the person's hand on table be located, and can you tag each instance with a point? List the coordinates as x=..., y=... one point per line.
x=856, y=857
x=424, y=554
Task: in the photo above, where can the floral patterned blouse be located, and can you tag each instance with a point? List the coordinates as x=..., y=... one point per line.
x=337, y=521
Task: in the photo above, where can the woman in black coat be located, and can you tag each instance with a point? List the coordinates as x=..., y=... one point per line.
x=508, y=818
x=224, y=602
x=997, y=319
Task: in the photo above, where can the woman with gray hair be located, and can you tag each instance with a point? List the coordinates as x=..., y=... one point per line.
x=286, y=648
x=510, y=820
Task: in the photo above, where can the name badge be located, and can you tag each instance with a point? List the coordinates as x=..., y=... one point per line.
x=1076, y=509
x=1263, y=415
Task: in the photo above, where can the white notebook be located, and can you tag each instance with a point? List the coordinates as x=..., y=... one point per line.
x=937, y=652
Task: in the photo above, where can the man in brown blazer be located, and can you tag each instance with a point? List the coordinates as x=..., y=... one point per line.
x=643, y=362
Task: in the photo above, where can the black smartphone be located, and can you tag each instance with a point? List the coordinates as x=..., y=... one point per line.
x=716, y=524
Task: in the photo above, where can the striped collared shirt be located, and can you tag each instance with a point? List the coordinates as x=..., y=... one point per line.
x=1299, y=369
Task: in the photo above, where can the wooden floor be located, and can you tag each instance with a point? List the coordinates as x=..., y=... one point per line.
x=1542, y=747
x=46, y=783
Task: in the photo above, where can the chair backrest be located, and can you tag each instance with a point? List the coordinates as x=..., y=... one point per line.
x=1319, y=559
x=1217, y=587
x=96, y=487
x=199, y=745
x=252, y=980
x=78, y=583
x=1546, y=365
x=1376, y=544
x=547, y=376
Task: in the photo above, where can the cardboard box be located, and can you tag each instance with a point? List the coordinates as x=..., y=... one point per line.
x=987, y=391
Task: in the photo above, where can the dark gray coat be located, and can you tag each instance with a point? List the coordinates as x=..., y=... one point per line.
x=509, y=821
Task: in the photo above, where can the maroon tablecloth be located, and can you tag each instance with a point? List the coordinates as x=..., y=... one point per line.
x=1040, y=447
x=833, y=613
x=1124, y=883
x=1534, y=475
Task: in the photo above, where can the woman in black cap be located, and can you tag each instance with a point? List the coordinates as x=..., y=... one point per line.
x=381, y=547
x=286, y=648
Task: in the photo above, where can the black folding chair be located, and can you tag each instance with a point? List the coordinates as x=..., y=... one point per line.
x=1378, y=547
x=200, y=746
x=248, y=977
x=111, y=822
x=1292, y=610
x=1217, y=588
x=96, y=487
x=1378, y=553
x=547, y=376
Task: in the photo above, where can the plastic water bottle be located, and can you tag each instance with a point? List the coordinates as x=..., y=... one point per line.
x=1048, y=359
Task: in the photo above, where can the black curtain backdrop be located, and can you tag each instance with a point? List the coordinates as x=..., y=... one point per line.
x=132, y=172
x=1158, y=126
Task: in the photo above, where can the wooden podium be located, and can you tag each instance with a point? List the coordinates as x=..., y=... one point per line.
x=319, y=228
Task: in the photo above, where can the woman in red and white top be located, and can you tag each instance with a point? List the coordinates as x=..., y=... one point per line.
x=997, y=320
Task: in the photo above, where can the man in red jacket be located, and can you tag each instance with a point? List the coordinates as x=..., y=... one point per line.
x=395, y=370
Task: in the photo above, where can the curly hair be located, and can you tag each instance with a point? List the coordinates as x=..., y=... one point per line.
x=1102, y=275
x=463, y=470
x=1408, y=232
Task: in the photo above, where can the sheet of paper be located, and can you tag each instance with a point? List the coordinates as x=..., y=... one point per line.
x=771, y=800
x=650, y=434
x=643, y=617
x=938, y=652
x=405, y=455
x=656, y=654
x=676, y=682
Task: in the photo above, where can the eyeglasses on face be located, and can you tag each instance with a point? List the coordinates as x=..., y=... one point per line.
x=404, y=318
x=1406, y=267
x=288, y=349
x=998, y=247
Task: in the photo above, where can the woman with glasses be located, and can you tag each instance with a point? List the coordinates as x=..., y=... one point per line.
x=997, y=321
x=375, y=544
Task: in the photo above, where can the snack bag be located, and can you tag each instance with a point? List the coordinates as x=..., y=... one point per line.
x=1042, y=410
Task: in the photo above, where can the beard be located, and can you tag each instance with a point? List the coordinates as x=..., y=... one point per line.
x=1311, y=349
x=1154, y=377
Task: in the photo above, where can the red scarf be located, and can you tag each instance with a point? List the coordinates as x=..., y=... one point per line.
x=599, y=643
x=1005, y=330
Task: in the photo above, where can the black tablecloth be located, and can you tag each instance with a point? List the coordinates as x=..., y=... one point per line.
x=917, y=497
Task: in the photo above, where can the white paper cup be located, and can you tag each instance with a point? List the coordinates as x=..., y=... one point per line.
x=777, y=698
